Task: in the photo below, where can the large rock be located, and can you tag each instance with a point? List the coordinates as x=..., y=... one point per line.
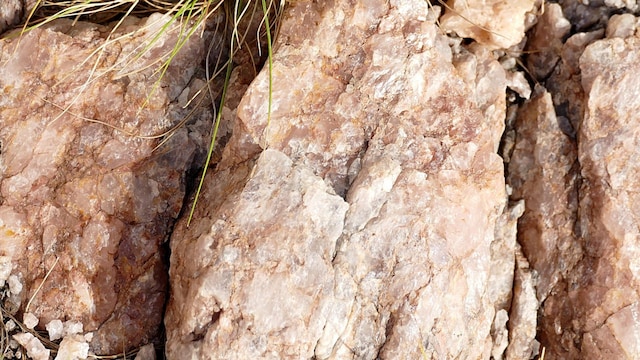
x=577, y=173
x=367, y=217
x=605, y=294
x=83, y=194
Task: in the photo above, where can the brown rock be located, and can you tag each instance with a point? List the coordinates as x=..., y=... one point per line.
x=544, y=173
x=366, y=227
x=580, y=233
x=83, y=194
x=545, y=41
x=605, y=295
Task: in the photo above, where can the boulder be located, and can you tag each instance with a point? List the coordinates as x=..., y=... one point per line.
x=87, y=195
x=366, y=215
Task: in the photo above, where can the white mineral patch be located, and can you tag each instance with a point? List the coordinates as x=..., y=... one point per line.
x=55, y=329
x=35, y=349
x=73, y=348
x=15, y=286
x=72, y=327
x=30, y=320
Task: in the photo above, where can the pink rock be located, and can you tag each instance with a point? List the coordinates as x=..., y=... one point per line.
x=361, y=220
x=81, y=199
x=494, y=23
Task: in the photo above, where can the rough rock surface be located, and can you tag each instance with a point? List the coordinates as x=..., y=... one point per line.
x=575, y=165
x=606, y=299
x=364, y=219
x=494, y=23
x=544, y=173
x=83, y=194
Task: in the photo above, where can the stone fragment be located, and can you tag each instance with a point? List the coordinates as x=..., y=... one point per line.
x=30, y=320
x=545, y=41
x=147, y=352
x=622, y=26
x=543, y=172
x=84, y=194
x=72, y=347
x=35, y=349
x=55, y=329
x=524, y=312
x=608, y=275
x=359, y=221
x=494, y=23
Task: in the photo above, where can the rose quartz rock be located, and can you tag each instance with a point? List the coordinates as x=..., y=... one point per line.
x=607, y=297
x=361, y=219
x=83, y=194
x=579, y=229
x=494, y=23
x=543, y=172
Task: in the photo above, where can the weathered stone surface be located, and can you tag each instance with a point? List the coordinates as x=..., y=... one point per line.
x=544, y=173
x=545, y=41
x=606, y=298
x=10, y=13
x=366, y=227
x=523, y=313
x=83, y=194
x=494, y=23
x=579, y=230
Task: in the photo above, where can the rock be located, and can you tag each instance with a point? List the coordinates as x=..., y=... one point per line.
x=35, y=349
x=30, y=320
x=147, y=352
x=359, y=221
x=565, y=81
x=546, y=40
x=10, y=13
x=73, y=347
x=544, y=173
x=55, y=329
x=524, y=312
x=494, y=23
x=607, y=276
x=83, y=193
x=622, y=26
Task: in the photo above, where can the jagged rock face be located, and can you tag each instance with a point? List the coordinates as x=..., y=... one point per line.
x=365, y=218
x=83, y=194
x=576, y=172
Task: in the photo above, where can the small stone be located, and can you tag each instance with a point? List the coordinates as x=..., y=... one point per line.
x=622, y=26
x=35, y=349
x=10, y=325
x=15, y=285
x=147, y=352
x=55, y=329
x=495, y=23
x=72, y=327
x=73, y=347
x=5, y=268
x=30, y=320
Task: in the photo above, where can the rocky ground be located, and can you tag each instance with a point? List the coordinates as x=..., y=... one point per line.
x=432, y=182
